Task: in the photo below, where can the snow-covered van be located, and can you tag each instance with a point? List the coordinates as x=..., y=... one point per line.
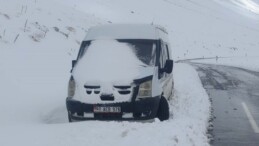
x=122, y=72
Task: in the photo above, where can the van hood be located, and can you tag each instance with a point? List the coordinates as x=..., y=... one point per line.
x=123, y=77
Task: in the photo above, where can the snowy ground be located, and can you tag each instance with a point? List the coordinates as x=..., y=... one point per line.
x=39, y=38
x=33, y=124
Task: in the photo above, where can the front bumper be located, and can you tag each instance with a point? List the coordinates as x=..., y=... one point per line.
x=143, y=109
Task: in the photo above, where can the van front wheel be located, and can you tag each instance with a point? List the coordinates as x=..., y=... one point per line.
x=163, y=109
x=69, y=118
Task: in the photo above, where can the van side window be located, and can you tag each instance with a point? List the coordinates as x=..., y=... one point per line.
x=167, y=51
x=164, y=54
x=161, y=61
x=163, y=57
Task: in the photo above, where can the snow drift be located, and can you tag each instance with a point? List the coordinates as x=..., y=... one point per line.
x=187, y=124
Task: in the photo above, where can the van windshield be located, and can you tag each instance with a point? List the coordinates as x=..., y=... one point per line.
x=145, y=50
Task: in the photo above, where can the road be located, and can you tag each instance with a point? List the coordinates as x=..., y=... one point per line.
x=235, y=102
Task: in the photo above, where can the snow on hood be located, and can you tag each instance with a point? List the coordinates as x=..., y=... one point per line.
x=107, y=63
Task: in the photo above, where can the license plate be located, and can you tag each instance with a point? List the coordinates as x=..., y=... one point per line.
x=107, y=109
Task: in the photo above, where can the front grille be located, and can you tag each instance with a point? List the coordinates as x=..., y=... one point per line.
x=107, y=115
x=123, y=90
x=92, y=89
x=107, y=97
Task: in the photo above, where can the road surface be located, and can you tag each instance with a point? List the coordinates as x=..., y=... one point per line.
x=235, y=102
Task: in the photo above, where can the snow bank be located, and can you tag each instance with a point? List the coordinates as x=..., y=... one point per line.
x=38, y=40
x=187, y=126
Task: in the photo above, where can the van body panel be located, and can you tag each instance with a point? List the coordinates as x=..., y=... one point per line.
x=133, y=98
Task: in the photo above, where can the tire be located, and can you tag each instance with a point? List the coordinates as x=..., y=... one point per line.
x=163, y=109
x=69, y=118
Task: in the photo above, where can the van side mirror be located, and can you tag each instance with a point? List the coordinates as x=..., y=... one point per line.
x=168, y=68
x=73, y=63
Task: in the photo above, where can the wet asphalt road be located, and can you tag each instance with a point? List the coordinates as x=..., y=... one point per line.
x=235, y=102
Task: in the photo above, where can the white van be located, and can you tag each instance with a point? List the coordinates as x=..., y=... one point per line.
x=122, y=72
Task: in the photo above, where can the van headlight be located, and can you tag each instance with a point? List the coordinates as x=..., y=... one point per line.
x=145, y=89
x=71, y=87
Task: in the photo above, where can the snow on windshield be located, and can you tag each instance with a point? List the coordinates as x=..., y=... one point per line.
x=107, y=61
x=145, y=50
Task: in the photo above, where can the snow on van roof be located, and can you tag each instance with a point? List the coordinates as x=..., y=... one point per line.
x=124, y=31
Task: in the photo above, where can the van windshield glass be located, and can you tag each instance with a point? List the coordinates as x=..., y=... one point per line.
x=145, y=50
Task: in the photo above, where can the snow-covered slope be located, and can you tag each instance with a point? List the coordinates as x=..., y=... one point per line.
x=39, y=38
x=197, y=27
x=37, y=43
x=242, y=6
